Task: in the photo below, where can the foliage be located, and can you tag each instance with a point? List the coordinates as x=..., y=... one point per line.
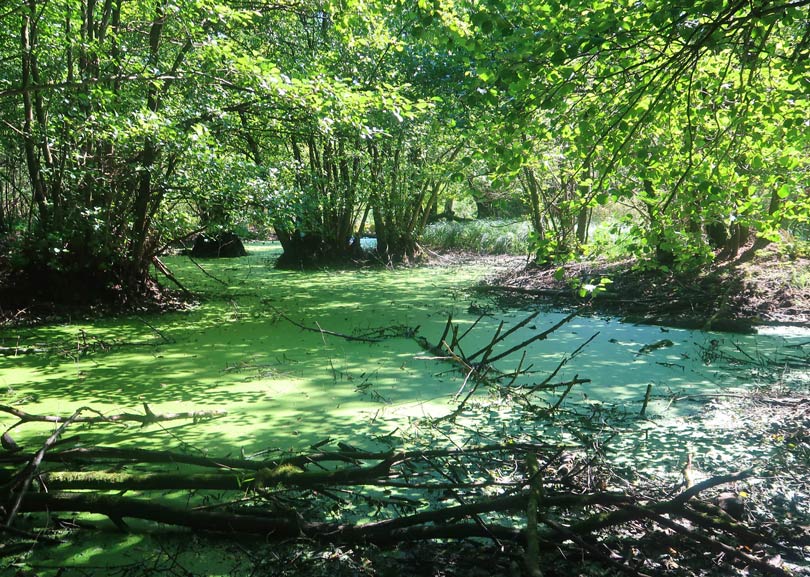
x=127, y=124
x=691, y=115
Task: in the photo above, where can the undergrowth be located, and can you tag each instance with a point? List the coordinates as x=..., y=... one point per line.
x=487, y=236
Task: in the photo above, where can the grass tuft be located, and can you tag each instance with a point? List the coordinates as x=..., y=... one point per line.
x=488, y=236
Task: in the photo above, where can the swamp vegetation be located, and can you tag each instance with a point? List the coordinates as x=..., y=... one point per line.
x=361, y=419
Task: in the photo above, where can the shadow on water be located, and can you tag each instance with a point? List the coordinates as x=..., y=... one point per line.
x=281, y=385
x=285, y=387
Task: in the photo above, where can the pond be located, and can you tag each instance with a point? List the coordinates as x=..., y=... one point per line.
x=241, y=350
x=286, y=387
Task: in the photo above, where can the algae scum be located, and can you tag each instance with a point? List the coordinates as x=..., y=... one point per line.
x=242, y=350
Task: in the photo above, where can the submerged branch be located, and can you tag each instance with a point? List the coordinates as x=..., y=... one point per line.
x=318, y=329
x=261, y=497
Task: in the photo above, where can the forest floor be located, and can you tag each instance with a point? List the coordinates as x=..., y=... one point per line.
x=735, y=295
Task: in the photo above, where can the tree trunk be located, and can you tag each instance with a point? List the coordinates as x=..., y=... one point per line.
x=27, y=39
x=583, y=223
x=139, y=260
x=529, y=182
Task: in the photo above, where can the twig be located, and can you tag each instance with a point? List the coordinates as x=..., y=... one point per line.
x=457, y=411
x=205, y=272
x=496, y=340
x=568, y=388
x=646, y=399
x=477, y=518
x=447, y=327
x=469, y=329
x=549, y=386
x=156, y=331
x=323, y=331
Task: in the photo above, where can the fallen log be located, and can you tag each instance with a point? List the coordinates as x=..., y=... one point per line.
x=284, y=475
x=115, y=455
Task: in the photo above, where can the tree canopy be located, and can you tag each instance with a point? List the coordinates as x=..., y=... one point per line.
x=128, y=125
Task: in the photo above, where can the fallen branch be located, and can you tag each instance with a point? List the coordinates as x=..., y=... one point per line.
x=147, y=418
x=272, y=527
x=674, y=506
x=322, y=331
x=128, y=455
x=17, y=487
x=205, y=272
x=713, y=544
x=282, y=481
x=169, y=275
x=542, y=336
x=709, y=483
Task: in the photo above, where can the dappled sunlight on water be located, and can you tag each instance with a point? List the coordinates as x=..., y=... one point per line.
x=287, y=388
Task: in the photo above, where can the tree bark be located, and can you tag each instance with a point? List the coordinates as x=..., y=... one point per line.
x=27, y=38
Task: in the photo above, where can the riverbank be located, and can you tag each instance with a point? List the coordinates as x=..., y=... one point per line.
x=734, y=296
